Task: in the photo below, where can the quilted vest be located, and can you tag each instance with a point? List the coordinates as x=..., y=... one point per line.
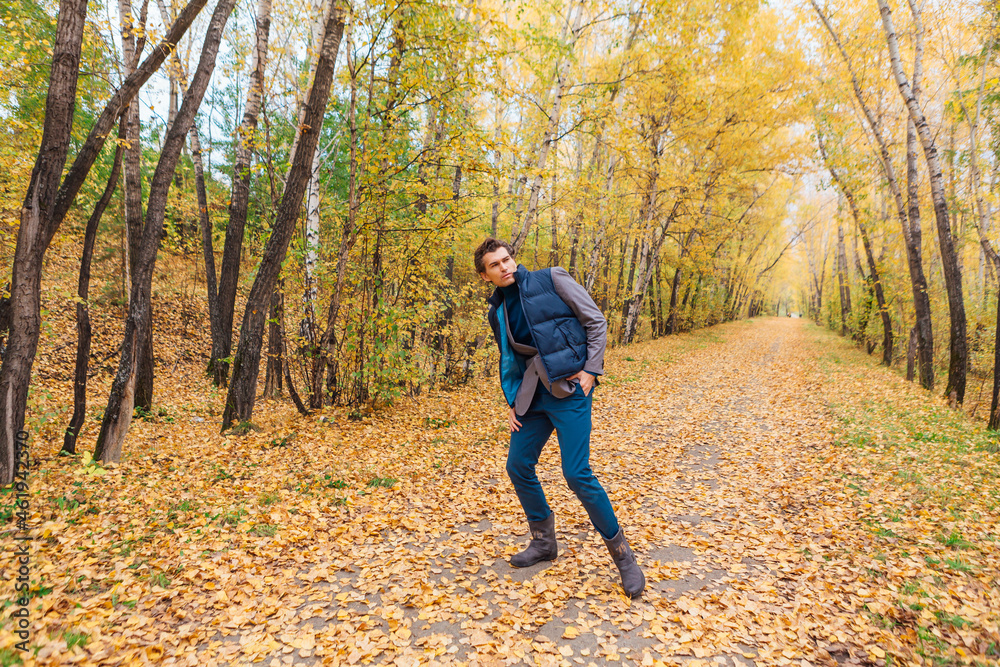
x=559, y=337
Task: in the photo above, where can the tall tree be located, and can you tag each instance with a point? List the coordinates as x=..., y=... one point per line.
x=246, y=363
x=131, y=51
x=239, y=201
x=910, y=225
x=83, y=328
x=118, y=413
x=959, y=357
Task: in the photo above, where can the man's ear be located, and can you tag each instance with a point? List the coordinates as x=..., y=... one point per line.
x=483, y=276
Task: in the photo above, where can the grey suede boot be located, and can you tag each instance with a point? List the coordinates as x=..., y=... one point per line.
x=542, y=545
x=633, y=580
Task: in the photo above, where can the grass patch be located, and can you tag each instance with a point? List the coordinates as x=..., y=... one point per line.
x=956, y=564
x=264, y=530
x=159, y=579
x=10, y=656
x=232, y=517
x=955, y=541
x=73, y=638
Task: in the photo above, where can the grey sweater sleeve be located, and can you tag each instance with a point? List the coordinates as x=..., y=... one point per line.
x=588, y=313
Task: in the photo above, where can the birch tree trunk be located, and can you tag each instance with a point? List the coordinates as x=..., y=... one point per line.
x=959, y=355
x=676, y=283
x=348, y=237
x=307, y=326
x=118, y=414
x=645, y=273
x=599, y=145
x=246, y=363
x=311, y=255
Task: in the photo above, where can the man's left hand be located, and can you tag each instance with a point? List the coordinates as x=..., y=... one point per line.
x=586, y=381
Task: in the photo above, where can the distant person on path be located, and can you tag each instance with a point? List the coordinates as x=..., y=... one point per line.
x=552, y=337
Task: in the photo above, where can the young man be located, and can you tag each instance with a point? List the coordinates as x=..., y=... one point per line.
x=552, y=337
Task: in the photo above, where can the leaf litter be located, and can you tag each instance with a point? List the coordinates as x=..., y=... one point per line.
x=790, y=502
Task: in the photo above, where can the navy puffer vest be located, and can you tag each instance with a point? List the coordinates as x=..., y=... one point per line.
x=560, y=338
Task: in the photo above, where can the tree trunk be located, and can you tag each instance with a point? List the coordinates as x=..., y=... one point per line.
x=606, y=284
x=208, y=247
x=39, y=222
x=444, y=341
x=959, y=357
x=308, y=333
x=603, y=215
x=994, y=423
x=118, y=414
x=911, y=354
x=914, y=242
x=275, y=344
x=645, y=273
x=631, y=279
x=133, y=195
x=348, y=236
x=602, y=207
x=658, y=329
x=311, y=243
x=246, y=363
x=674, y=287
x=25, y=293
x=83, y=329
x=651, y=293
x=239, y=200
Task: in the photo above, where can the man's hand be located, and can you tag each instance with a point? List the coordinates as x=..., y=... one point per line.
x=586, y=381
x=512, y=420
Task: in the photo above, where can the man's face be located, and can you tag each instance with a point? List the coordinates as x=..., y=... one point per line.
x=500, y=267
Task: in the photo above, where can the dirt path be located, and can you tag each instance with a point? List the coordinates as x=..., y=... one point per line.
x=698, y=457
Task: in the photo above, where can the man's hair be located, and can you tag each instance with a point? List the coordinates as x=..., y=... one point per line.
x=489, y=245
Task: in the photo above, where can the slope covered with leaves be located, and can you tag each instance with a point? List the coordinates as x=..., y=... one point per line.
x=788, y=500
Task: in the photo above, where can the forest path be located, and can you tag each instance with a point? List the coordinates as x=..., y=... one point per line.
x=790, y=501
x=710, y=461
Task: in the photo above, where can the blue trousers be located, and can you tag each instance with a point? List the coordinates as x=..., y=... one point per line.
x=570, y=417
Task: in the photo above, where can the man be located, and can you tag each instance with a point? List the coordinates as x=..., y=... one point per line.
x=552, y=337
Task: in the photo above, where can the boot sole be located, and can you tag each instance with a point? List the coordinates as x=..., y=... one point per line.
x=535, y=562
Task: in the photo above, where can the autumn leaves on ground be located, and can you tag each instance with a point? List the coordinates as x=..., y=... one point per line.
x=790, y=501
